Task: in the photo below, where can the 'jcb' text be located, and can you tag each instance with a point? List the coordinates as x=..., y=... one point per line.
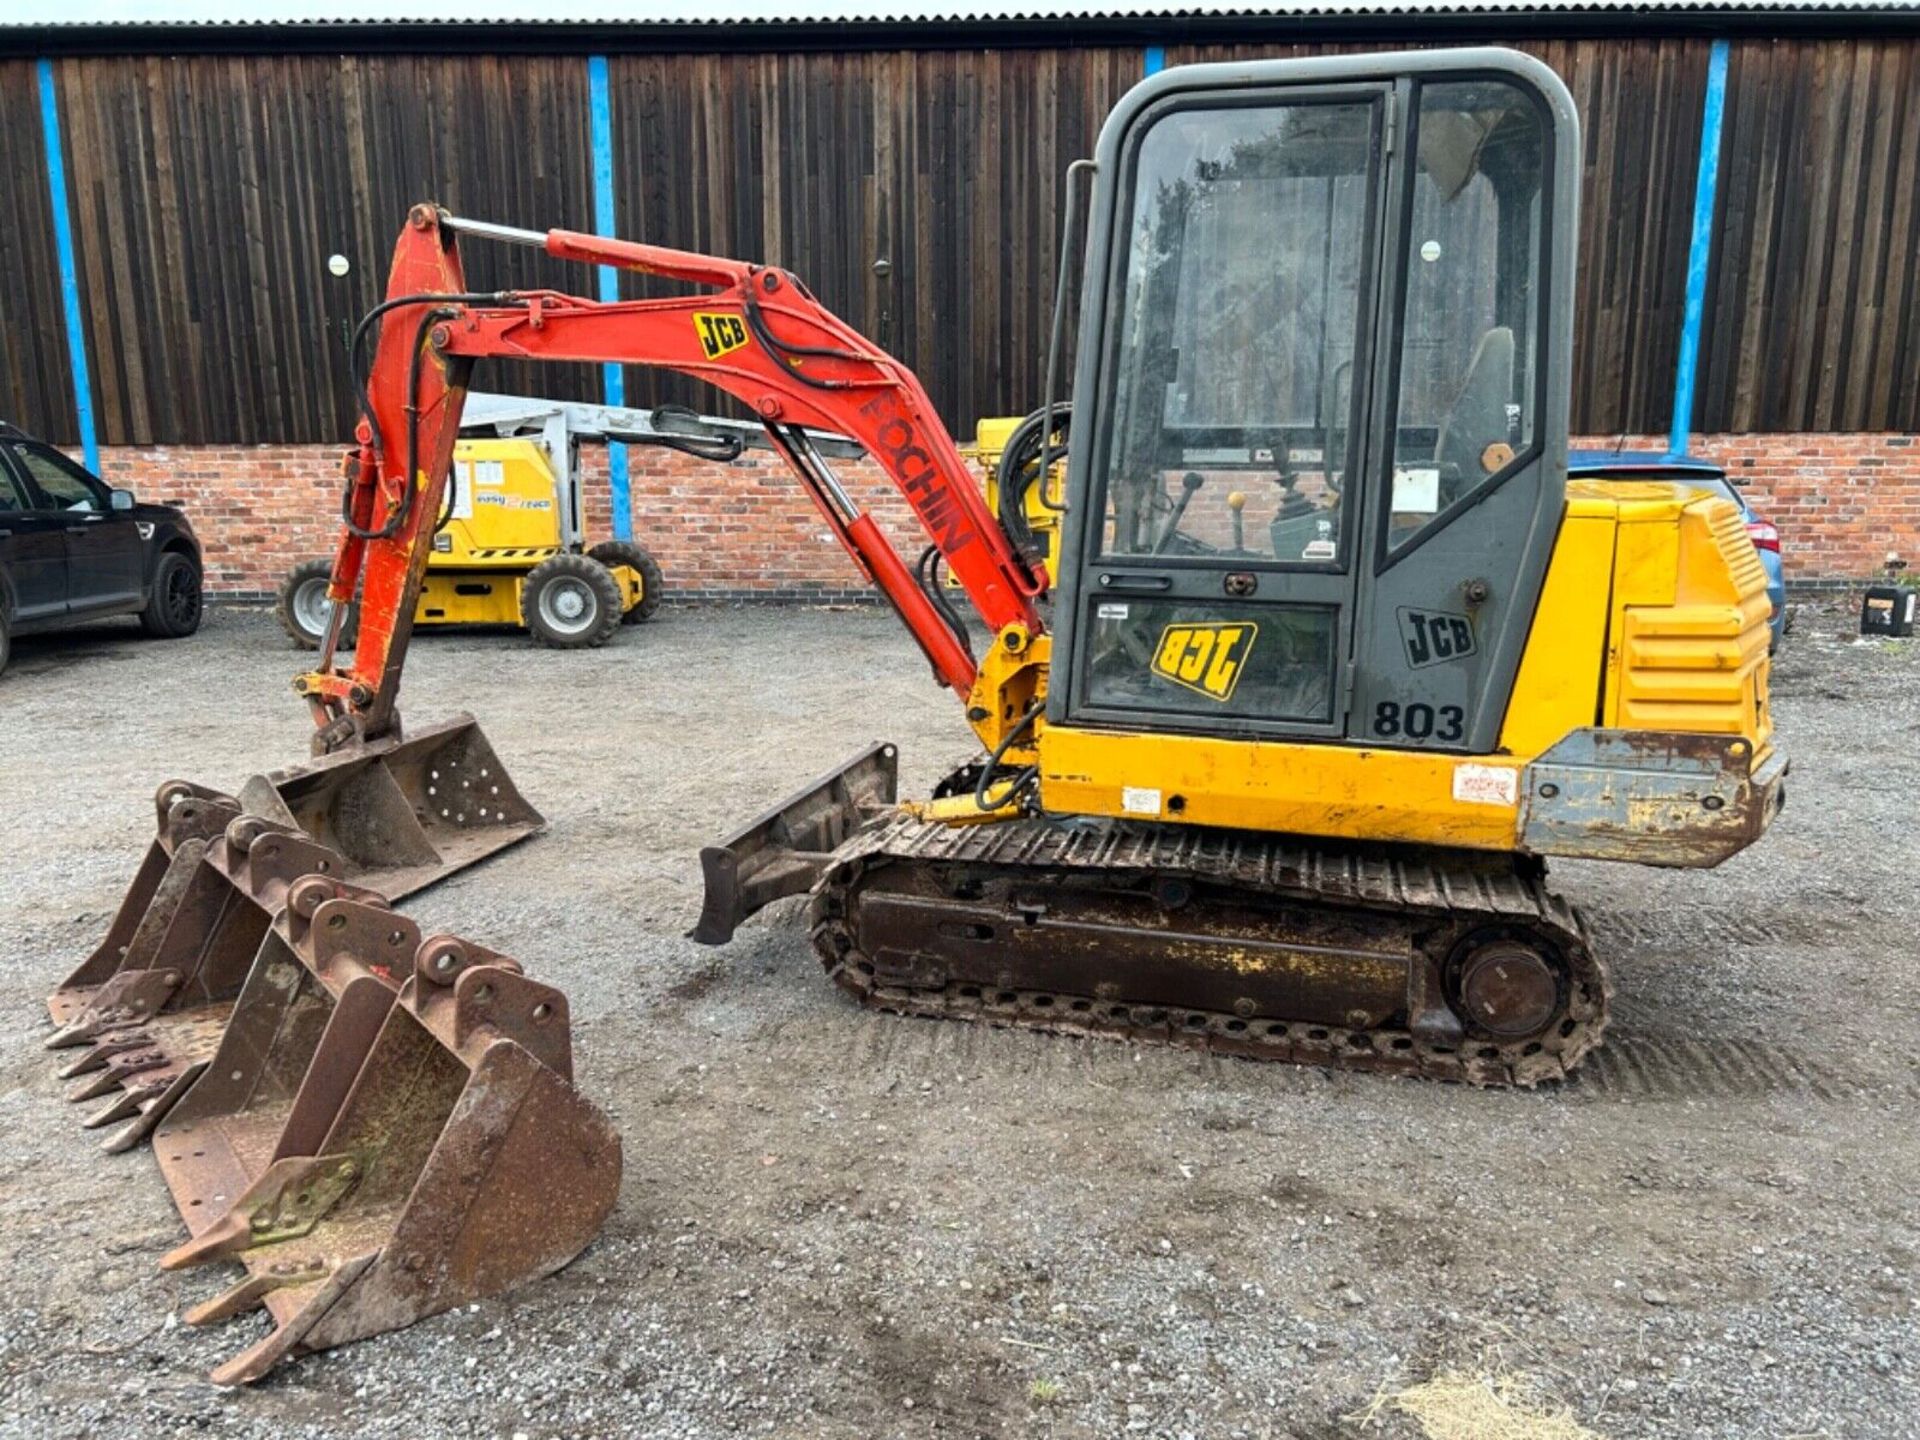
x=1207, y=659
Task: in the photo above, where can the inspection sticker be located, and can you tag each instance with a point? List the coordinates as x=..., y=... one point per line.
x=1485, y=785
x=1139, y=802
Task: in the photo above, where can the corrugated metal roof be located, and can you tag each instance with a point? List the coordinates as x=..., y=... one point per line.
x=114, y=14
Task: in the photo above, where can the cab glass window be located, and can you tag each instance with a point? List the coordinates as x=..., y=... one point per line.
x=10, y=497
x=62, y=484
x=1470, y=319
x=1237, y=330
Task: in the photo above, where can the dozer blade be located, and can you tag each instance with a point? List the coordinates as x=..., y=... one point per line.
x=785, y=850
x=373, y=1156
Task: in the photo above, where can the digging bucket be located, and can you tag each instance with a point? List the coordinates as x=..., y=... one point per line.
x=372, y=1155
x=145, y=1030
x=393, y=816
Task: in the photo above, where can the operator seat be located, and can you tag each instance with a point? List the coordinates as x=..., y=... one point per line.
x=1478, y=417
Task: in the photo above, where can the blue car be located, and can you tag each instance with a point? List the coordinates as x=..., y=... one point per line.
x=1701, y=475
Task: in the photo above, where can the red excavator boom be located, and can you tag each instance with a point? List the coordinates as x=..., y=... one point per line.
x=759, y=335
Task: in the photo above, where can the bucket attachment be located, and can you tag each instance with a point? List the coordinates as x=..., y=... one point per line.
x=783, y=851
x=146, y=1029
x=391, y=816
x=402, y=813
x=374, y=1155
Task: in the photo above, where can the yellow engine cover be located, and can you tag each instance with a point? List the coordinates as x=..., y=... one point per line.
x=1638, y=727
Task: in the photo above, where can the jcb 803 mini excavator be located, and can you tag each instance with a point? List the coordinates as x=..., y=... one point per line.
x=1337, y=658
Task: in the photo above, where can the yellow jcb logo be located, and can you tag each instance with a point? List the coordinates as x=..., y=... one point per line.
x=1205, y=658
x=720, y=334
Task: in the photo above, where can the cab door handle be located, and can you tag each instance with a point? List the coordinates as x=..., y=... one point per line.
x=1111, y=580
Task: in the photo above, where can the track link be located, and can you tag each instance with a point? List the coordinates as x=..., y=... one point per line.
x=972, y=923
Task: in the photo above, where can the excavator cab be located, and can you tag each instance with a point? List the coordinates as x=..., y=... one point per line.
x=1321, y=399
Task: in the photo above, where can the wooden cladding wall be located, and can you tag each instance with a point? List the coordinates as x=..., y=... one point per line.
x=944, y=167
x=36, y=381
x=208, y=193
x=1813, y=319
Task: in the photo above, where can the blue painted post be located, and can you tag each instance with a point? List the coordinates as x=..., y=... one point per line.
x=1156, y=59
x=1705, y=184
x=63, y=247
x=614, y=383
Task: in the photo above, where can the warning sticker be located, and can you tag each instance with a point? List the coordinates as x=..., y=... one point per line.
x=1139, y=802
x=1485, y=785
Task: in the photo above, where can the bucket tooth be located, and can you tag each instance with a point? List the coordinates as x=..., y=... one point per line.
x=286, y=1202
x=101, y=1049
x=151, y=1109
x=126, y=1103
x=251, y=1293
x=112, y=1075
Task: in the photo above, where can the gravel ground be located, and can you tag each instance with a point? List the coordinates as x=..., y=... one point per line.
x=841, y=1224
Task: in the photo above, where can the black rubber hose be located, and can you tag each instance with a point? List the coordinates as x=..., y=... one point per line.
x=928, y=571
x=497, y=297
x=781, y=350
x=1021, y=469
x=1023, y=778
x=401, y=516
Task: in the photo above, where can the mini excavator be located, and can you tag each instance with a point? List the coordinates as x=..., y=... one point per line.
x=1336, y=660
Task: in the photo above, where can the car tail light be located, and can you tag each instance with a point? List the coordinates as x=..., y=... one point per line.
x=1764, y=534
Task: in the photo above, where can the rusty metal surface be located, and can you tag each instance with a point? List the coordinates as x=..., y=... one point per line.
x=784, y=850
x=403, y=813
x=433, y=1150
x=146, y=1007
x=1654, y=798
x=374, y=1125
x=1345, y=956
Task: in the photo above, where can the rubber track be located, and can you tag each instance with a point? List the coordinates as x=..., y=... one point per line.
x=1462, y=888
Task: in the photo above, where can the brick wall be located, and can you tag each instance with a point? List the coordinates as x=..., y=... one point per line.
x=748, y=531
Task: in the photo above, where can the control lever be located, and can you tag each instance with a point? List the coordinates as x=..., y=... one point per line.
x=1190, y=484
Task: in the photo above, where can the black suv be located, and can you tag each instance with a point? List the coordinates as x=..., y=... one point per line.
x=73, y=549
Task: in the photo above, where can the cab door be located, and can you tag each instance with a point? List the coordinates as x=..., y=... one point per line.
x=1217, y=585
x=1470, y=438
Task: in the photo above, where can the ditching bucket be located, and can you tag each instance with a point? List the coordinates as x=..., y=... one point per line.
x=402, y=813
x=373, y=1155
x=391, y=816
